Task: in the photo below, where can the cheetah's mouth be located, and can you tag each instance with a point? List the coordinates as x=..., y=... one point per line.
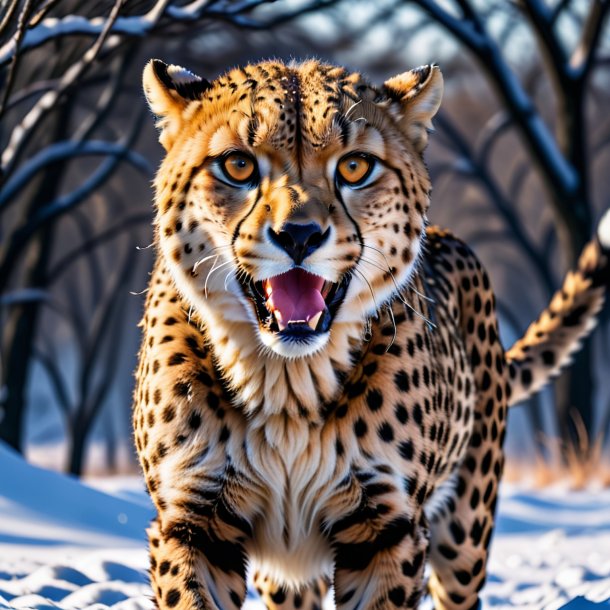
x=297, y=303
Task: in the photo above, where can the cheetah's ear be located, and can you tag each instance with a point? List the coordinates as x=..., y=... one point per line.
x=168, y=90
x=419, y=94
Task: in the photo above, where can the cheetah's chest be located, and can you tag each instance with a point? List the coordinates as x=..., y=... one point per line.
x=295, y=472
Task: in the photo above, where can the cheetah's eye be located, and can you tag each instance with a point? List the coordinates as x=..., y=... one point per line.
x=354, y=169
x=240, y=169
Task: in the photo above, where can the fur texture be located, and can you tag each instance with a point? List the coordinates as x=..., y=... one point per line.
x=363, y=448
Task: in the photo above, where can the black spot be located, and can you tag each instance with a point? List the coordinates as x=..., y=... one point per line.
x=369, y=368
x=168, y=414
x=476, y=531
x=279, y=596
x=164, y=567
x=457, y=532
x=172, y=598
x=573, y=318
x=456, y=599
x=486, y=462
x=486, y=381
x=462, y=577
x=406, y=450
x=401, y=380
x=194, y=420
x=235, y=598
x=181, y=389
x=204, y=378
x=360, y=427
x=402, y=415
x=526, y=377
x=386, y=432
x=447, y=551
x=474, y=498
x=397, y=596
x=409, y=568
x=475, y=357
x=374, y=399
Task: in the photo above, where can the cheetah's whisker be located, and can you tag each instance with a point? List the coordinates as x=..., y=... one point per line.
x=399, y=294
x=361, y=274
x=423, y=296
x=389, y=308
x=215, y=268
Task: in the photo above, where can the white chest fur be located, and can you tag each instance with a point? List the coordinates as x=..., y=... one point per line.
x=295, y=467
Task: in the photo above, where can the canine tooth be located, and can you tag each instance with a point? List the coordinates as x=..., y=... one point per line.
x=313, y=321
x=278, y=318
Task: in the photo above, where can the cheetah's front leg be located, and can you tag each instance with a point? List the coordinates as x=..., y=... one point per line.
x=380, y=551
x=192, y=568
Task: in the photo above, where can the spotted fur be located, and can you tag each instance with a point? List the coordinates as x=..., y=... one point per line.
x=358, y=453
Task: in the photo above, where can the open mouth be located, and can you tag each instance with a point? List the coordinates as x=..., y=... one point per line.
x=296, y=303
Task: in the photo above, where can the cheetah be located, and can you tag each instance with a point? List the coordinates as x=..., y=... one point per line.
x=322, y=392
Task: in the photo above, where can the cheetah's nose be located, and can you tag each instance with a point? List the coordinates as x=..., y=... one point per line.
x=299, y=240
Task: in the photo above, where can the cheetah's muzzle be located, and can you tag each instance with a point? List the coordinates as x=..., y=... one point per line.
x=296, y=304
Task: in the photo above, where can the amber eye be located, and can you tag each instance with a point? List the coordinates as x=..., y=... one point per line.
x=239, y=168
x=354, y=169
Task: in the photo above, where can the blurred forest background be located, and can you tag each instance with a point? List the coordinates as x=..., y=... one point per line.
x=520, y=164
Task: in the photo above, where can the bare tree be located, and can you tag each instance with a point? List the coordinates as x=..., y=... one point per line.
x=70, y=141
x=560, y=151
x=62, y=69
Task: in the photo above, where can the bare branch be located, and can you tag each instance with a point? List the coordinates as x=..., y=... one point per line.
x=43, y=10
x=29, y=123
x=490, y=133
x=25, y=295
x=540, y=17
x=20, y=238
x=21, y=25
x=138, y=26
x=497, y=199
x=558, y=9
x=55, y=377
x=75, y=25
x=584, y=54
x=10, y=11
x=62, y=151
x=105, y=101
x=560, y=176
x=101, y=238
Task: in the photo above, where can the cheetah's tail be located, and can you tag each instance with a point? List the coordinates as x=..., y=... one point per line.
x=549, y=342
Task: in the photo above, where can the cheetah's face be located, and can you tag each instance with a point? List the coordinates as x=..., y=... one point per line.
x=292, y=197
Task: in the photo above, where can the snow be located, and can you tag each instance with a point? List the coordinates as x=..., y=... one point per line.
x=72, y=545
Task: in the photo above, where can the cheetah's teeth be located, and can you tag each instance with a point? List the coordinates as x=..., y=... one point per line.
x=313, y=321
x=278, y=318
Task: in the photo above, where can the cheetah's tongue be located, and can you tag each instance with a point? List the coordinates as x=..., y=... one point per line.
x=295, y=296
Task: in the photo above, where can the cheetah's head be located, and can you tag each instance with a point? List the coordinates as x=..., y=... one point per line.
x=292, y=198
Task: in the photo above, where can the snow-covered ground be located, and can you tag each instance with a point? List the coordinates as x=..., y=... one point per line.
x=67, y=545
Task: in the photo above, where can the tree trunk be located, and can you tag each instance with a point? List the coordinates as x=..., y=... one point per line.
x=19, y=332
